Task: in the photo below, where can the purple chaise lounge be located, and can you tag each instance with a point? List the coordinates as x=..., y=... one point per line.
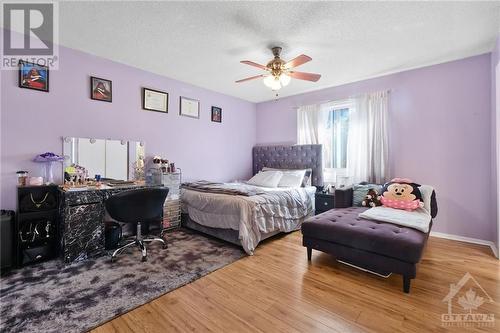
x=379, y=247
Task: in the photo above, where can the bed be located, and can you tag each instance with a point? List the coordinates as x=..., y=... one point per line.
x=245, y=220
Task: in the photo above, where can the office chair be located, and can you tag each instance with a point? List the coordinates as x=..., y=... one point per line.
x=138, y=206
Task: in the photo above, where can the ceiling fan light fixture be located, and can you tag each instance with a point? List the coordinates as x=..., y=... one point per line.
x=272, y=82
x=285, y=79
x=276, y=84
x=268, y=81
x=279, y=73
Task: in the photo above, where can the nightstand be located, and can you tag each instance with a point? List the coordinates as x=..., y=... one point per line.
x=324, y=202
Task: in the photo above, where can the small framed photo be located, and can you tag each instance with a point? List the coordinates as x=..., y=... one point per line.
x=33, y=76
x=189, y=107
x=101, y=89
x=154, y=100
x=216, y=114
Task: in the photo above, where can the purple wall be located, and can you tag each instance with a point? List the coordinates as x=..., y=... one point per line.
x=439, y=134
x=495, y=139
x=33, y=122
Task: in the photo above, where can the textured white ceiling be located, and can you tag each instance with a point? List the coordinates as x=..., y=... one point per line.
x=203, y=42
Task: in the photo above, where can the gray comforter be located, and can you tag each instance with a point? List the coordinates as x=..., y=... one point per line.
x=276, y=209
x=223, y=188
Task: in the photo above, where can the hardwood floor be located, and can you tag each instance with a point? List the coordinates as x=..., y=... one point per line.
x=278, y=290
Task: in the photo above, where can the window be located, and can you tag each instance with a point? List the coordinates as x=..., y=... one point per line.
x=327, y=124
x=334, y=138
x=353, y=133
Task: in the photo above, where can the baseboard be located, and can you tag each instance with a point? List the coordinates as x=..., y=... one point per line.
x=492, y=245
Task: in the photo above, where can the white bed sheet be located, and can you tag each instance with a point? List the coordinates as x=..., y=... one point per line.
x=278, y=209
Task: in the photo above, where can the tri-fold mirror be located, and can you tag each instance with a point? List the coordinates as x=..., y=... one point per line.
x=110, y=159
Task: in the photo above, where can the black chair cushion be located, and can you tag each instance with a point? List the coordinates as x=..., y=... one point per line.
x=140, y=205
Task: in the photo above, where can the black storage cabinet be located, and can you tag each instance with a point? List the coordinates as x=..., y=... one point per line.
x=7, y=240
x=37, y=224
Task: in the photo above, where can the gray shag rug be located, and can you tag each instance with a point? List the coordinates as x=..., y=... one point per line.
x=52, y=297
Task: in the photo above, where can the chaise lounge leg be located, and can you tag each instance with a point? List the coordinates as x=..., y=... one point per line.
x=309, y=253
x=406, y=284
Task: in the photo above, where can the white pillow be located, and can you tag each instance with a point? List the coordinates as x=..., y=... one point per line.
x=289, y=177
x=266, y=179
x=292, y=178
x=426, y=192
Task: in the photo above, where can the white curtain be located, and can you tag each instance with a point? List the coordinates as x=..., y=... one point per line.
x=367, y=144
x=308, y=124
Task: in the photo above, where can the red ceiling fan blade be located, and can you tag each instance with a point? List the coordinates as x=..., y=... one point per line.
x=301, y=59
x=305, y=76
x=254, y=64
x=250, y=78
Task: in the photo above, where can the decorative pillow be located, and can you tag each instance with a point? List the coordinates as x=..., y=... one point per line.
x=266, y=179
x=401, y=193
x=360, y=191
x=426, y=192
x=292, y=178
x=306, y=180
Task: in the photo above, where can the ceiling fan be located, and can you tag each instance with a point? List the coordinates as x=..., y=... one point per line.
x=279, y=72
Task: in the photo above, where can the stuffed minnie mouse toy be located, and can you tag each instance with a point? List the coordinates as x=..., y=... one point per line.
x=401, y=193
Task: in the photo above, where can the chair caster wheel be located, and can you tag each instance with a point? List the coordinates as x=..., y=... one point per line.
x=113, y=259
x=165, y=246
x=144, y=259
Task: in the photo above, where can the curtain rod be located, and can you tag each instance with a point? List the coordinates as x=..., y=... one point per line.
x=341, y=99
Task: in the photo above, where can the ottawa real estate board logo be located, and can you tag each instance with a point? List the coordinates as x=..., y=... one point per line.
x=30, y=34
x=464, y=300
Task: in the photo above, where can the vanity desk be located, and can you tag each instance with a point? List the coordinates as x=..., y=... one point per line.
x=82, y=209
x=82, y=220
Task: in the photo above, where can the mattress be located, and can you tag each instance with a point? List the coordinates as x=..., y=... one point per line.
x=278, y=209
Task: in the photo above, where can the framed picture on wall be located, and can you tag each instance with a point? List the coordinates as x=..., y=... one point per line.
x=154, y=100
x=216, y=114
x=33, y=76
x=189, y=107
x=101, y=89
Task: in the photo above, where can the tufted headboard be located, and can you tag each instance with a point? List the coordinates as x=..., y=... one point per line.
x=290, y=157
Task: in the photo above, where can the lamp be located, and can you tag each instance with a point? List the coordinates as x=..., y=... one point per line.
x=277, y=81
x=285, y=79
x=272, y=82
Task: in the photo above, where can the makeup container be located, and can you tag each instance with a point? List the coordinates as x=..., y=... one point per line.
x=35, y=181
x=22, y=178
